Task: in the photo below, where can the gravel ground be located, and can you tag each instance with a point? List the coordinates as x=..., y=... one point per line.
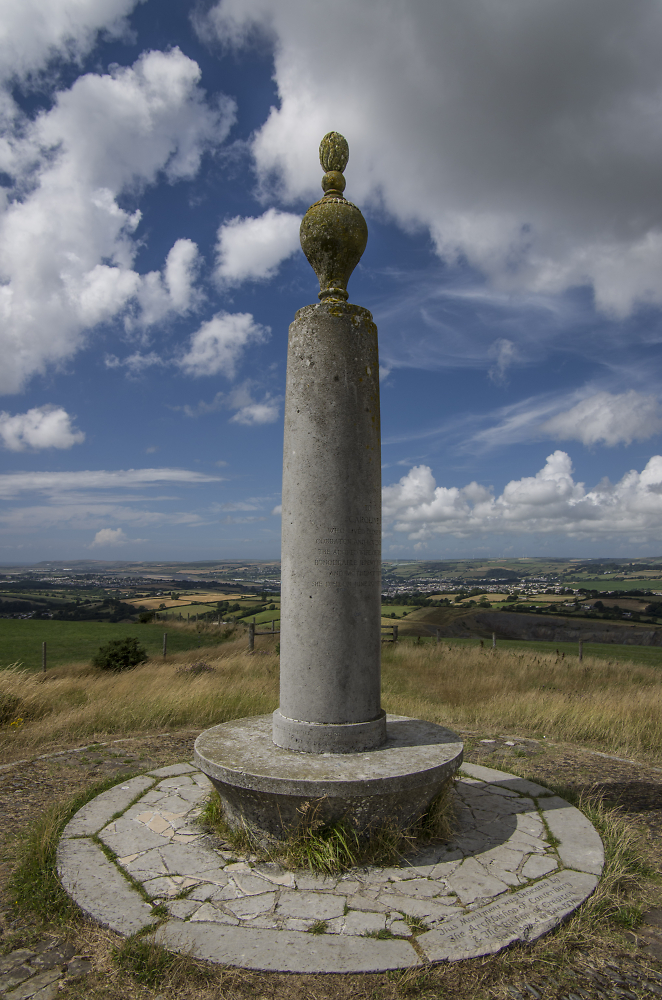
x=77, y=962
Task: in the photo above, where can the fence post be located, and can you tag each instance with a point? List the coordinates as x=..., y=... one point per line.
x=43, y=657
x=493, y=640
x=438, y=636
x=251, y=637
x=165, y=644
x=581, y=650
x=273, y=624
x=395, y=633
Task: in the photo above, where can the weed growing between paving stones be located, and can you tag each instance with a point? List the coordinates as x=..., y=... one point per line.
x=33, y=886
x=337, y=848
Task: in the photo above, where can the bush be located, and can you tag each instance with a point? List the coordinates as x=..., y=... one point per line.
x=145, y=616
x=120, y=654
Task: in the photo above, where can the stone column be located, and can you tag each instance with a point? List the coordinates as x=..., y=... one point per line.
x=331, y=546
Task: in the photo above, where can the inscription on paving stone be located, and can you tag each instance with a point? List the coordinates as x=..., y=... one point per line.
x=524, y=916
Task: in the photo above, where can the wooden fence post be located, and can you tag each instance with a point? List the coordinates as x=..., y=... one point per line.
x=395, y=633
x=581, y=650
x=438, y=636
x=43, y=657
x=165, y=644
x=493, y=640
x=251, y=637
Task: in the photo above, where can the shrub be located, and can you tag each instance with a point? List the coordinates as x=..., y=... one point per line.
x=145, y=616
x=120, y=654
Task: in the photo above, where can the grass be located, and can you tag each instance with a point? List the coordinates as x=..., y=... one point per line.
x=651, y=655
x=603, y=703
x=76, y=703
x=607, y=704
x=21, y=639
x=330, y=850
x=33, y=886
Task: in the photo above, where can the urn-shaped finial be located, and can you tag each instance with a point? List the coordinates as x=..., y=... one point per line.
x=333, y=231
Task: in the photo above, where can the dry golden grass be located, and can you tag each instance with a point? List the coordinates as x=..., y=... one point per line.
x=611, y=705
x=78, y=702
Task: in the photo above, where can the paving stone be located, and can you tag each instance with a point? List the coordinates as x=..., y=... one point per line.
x=316, y=882
x=250, y=885
x=250, y=906
x=128, y=837
x=53, y=957
x=400, y=928
x=17, y=957
x=99, y=889
x=181, y=784
x=426, y=908
x=196, y=859
x=208, y=913
x=366, y=904
x=421, y=888
x=172, y=769
x=580, y=847
x=286, y=951
x=522, y=916
x=144, y=866
x=363, y=923
x=472, y=882
x=97, y=813
x=183, y=908
x=78, y=967
x=316, y=905
x=31, y=987
x=487, y=774
x=536, y=867
x=15, y=976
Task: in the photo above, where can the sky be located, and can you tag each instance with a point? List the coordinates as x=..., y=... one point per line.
x=156, y=158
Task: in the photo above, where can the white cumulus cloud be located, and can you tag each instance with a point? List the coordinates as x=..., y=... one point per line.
x=255, y=247
x=66, y=246
x=522, y=135
x=550, y=502
x=218, y=344
x=610, y=418
x=41, y=427
x=33, y=32
x=265, y=412
x=109, y=537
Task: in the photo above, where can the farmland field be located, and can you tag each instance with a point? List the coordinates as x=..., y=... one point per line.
x=649, y=655
x=74, y=642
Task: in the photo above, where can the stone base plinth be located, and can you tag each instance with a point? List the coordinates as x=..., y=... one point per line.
x=312, y=737
x=264, y=786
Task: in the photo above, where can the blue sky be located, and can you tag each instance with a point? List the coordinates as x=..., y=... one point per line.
x=155, y=161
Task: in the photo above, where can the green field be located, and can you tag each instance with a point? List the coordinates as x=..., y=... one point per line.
x=649, y=655
x=67, y=642
x=605, y=583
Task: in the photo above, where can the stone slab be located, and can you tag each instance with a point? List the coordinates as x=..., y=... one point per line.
x=285, y=951
x=580, y=846
x=96, y=814
x=522, y=916
x=172, y=770
x=100, y=890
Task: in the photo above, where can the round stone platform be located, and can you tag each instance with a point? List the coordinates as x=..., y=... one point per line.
x=266, y=786
x=499, y=881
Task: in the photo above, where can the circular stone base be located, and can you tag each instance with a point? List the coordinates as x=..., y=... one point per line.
x=520, y=861
x=265, y=786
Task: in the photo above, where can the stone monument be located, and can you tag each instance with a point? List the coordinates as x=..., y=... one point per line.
x=330, y=741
